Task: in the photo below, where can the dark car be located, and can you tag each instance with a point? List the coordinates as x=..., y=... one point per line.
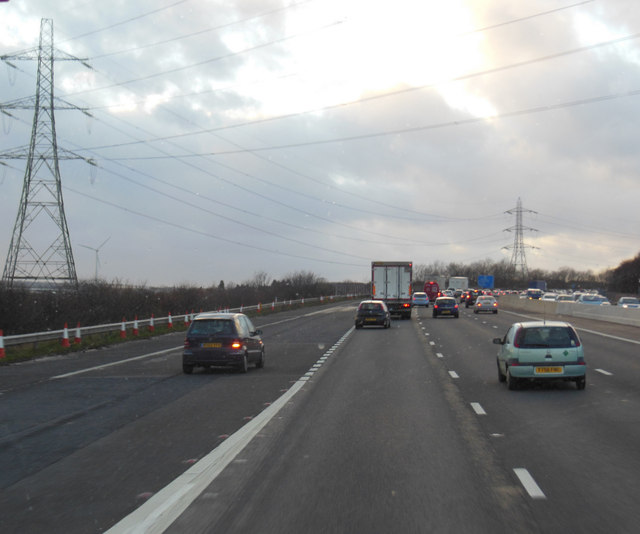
x=470, y=297
x=222, y=340
x=372, y=313
x=446, y=306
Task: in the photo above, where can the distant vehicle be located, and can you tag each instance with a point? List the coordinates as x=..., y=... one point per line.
x=550, y=296
x=222, y=340
x=565, y=298
x=541, y=350
x=448, y=293
x=432, y=289
x=458, y=282
x=629, y=302
x=538, y=284
x=391, y=282
x=534, y=294
x=469, y=297
x=485, y=303
x=420, y=299
x=372, y=313
x=446, y=306
x=590, y=298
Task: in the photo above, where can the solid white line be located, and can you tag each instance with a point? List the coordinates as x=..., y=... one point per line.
x=607, y=373
x=478, y=408
x=453, y=374
x=617, y=338
x=529, y=484
x=163, y=508
x=150, y=355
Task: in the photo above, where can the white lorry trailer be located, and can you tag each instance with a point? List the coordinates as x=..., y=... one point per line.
x=458, y=283
x=391, y=282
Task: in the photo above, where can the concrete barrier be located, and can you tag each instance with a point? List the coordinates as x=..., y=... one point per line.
x=611, y=314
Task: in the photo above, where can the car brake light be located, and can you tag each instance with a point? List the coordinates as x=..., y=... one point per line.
x=236, y=344
x=186, y=343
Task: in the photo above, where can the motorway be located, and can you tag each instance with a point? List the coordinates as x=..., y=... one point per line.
x=372, y=430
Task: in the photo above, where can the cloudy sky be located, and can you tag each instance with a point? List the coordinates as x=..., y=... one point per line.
x=232, y=137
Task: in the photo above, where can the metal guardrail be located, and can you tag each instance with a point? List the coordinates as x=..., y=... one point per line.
x=145, y=323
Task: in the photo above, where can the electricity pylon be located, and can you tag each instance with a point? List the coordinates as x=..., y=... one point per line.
x=34, y=259
x=518, y=256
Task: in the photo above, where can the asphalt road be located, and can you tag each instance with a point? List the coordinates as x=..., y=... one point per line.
x=399, y=430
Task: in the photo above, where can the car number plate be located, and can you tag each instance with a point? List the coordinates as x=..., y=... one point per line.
x=371, y=319
x=445, y=312
x=548, y=370
x=211, y=345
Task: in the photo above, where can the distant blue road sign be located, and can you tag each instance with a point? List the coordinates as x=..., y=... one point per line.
x=485, y=281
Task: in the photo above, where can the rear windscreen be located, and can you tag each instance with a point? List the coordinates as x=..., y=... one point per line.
x=547, y=336
x=212, y=327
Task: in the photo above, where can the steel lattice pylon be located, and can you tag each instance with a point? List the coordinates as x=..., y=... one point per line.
x=35, y=257
x=518, y=257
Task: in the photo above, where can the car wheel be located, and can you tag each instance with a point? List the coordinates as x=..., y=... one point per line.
x=475, y=311
x=260, y=362
x=512, y=382
x=358, y=325
x=457, y=316
x=581, y=382
x=501, y=377
x=244, y=366
x=435, y=315
x=187, y=369
x=495, y=312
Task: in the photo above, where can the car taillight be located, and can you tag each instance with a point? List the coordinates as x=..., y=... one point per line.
x=456, y=307
x=435, y=306
x=186, y=344
x=236, y=344
x=406, y=305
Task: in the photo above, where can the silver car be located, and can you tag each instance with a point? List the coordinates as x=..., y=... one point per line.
x=541, y=350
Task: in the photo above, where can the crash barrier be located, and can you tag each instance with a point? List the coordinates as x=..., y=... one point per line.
x=611, y=314
x=133, y=326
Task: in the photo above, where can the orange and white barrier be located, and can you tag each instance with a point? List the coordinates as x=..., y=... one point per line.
x=65, y=336
x=170, y=323
x=123, y=329
x=2, y=353
x=136, y=329
x=186, y=319
x=152, y=326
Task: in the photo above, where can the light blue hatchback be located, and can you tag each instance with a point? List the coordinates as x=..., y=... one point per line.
x=541, y=350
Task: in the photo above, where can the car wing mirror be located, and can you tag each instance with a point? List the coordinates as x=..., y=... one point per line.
x=498, y=341
x=258, y=332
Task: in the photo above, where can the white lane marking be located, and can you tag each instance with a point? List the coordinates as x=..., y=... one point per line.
x=453, y=374
x=432, y=342
x=529, y=483
x=439, y=354
x=104, y=366
x=156, y=514
x=617, y=338
x=607, y=373
x=163, y=508
x=478, y=408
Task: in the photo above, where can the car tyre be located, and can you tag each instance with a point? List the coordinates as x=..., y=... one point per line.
x=501, y=377
x=244, y=366
x=358, y=325
x=512, y=382
x=260, y=362
x=581, y=382
x=187, y=369
x=495, y=312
